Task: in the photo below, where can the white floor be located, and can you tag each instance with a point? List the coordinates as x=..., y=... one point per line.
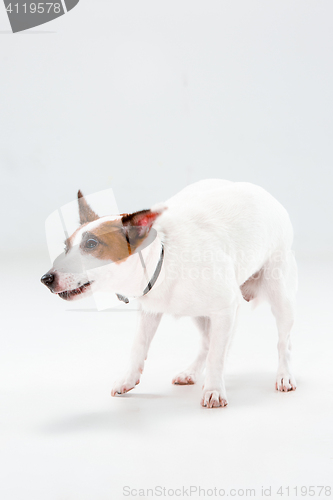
x=63, y=437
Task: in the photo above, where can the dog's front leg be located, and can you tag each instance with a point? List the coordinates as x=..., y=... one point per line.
x=148, y=324
x=222, y=326
x=192, y=373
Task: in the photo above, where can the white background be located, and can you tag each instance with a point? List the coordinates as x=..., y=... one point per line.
x=145, y=97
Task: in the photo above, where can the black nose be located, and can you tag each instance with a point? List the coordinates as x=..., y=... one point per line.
x=47, y=279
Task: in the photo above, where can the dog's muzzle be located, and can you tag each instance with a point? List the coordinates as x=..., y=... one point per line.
x=50, y=280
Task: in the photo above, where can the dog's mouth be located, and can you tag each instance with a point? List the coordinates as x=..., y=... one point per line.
x=70, y=294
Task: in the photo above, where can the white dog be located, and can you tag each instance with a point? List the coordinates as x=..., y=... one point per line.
x=199, y=254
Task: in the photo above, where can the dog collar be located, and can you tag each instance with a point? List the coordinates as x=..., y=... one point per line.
x=153, y=280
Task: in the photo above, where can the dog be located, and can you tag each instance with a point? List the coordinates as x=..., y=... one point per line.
x=199, y=254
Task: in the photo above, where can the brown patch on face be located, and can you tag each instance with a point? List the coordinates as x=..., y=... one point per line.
x=110, y=242
x=117, y=239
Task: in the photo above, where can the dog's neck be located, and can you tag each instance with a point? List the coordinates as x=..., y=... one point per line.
x=141, y=271
x=150, y=281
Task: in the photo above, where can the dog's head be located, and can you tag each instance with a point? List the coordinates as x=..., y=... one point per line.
x=98, y=241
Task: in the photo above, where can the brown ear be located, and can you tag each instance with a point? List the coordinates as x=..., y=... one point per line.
x=85, y=212
x=138, y=225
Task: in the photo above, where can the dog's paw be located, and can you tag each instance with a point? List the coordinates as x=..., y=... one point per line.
x=184, y=378
x=285, y=382
x=124, y=385
x=213, y=399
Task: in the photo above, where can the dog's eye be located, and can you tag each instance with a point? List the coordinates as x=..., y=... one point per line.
x=91, y=243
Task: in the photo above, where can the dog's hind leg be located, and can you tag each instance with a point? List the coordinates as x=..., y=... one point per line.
x=279, y=286
x=192, y=373
x=148, y=324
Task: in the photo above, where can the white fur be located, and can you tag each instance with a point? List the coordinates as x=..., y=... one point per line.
x=216, y=235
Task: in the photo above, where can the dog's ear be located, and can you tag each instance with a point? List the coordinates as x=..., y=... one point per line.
x=138, y=225
x=86, y=213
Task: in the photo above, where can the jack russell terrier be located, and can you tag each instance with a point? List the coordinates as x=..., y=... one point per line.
x=217, y=243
